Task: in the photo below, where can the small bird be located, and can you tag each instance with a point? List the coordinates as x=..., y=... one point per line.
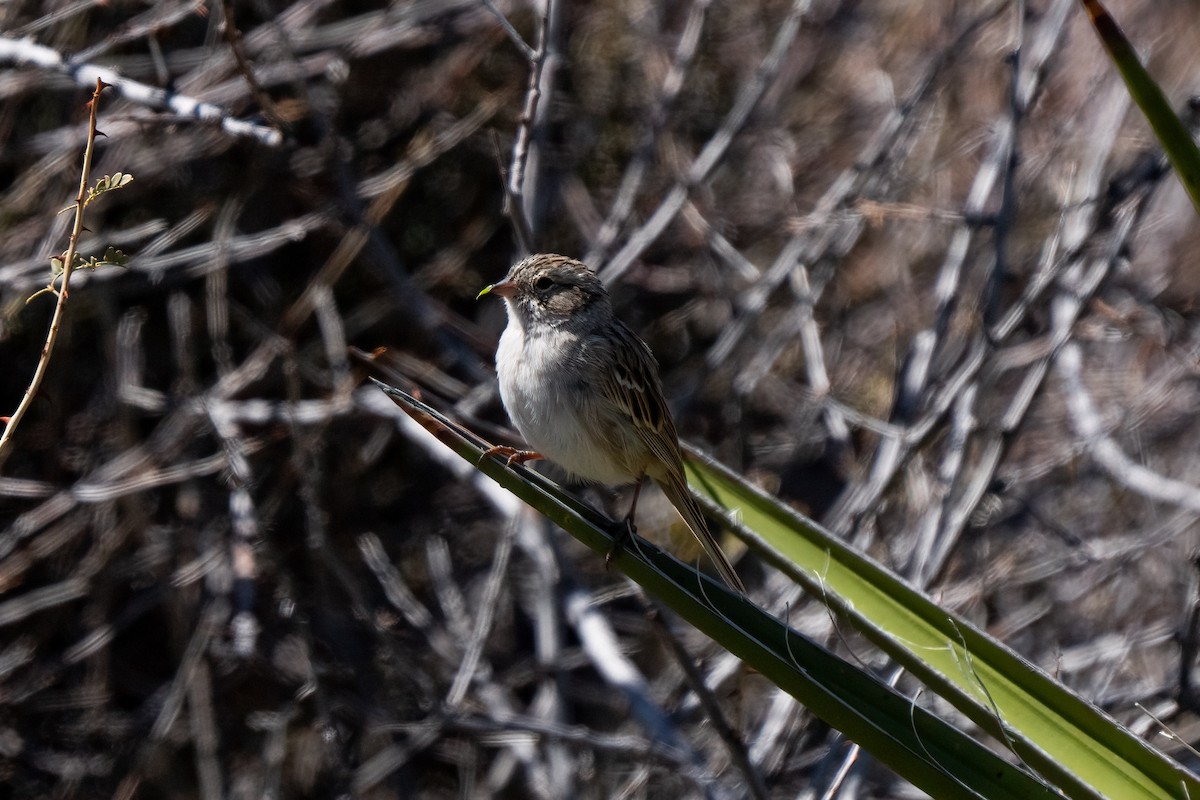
x=584, y=390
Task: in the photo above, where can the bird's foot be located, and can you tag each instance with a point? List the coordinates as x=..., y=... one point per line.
x=511, y=454
x=623, y=532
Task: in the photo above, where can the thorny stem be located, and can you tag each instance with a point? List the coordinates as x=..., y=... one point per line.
x=68, y=267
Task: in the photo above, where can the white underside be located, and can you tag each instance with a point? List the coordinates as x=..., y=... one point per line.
x=543, y=398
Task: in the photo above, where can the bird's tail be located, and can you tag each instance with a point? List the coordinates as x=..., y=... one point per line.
x=680, y=495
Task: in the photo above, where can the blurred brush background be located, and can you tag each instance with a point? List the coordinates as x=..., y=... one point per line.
x=916, y=268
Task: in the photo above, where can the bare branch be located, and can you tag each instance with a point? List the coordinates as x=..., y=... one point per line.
x=25, y=51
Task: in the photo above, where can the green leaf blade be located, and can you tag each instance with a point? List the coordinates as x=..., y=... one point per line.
x=1060, y=735
x=932, y=754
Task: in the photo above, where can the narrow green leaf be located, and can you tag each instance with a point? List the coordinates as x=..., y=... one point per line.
x=1069, y=741
x=927, y=751
x=1172, y=134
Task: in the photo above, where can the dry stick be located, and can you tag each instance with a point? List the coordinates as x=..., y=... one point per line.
x=934, y=539
x=372, y=771
x=934, y=543
x=1107, y=453
x=626, y=744
x=543, y=602
x=905, y=437
x=717, y=244
x=244, y=68
x=492, y=695
x=25, y=51
x=529, y=175
x=136, y=469
x=506, y=727
x=26, y=274
x=928, y=344
x=823, y=233
x=484, y=617
x=804, y=323
x=103, y=636
x=535, y=172
x=635, y=173
x=172, y=705
x=712, y=709
x=199, y=259
x=512, y=205
x=112, y=478
x=216, y=289
x=842, y=770
x=150, y=24
x=401, y=597
x=1018, y=106
x=129, y=366
x=599, y=642
x=68, y=268
x=808, y=293
x=777, y=724
x=806, y=246
x=514, y=193
x=385, y=190
x=1079, y=284
x=522, y=45
x=202, y=723
x=274, y=729
x=713, y=151
x=60, y=15
x=244, y=521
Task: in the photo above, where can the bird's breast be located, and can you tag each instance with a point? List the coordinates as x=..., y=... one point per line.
x=551, y=397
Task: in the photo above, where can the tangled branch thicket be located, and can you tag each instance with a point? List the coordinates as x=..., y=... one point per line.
x=917, y=268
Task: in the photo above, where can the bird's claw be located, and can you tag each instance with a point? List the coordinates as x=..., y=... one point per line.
x=623, y=533
x=512, y=455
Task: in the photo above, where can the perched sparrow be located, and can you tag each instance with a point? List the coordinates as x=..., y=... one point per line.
x=583, y=389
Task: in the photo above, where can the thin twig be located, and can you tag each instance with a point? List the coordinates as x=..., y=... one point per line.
x=25, y=51
x=68, y=262
x=712, y=709
x=639, y=165
x=1087, y=423
x=483, y=618
x=714, y=150
x=600, y=643
x=518, y=206
x=516, y=38
x=234, y=36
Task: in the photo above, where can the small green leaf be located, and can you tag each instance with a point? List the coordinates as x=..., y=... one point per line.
x=117, y=180
x=114, y=257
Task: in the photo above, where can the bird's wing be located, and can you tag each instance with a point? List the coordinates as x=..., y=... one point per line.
x=632, y=385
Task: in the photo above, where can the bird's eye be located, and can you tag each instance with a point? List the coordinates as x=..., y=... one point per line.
x=543, y=283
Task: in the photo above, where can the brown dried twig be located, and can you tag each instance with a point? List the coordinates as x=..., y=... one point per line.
x=236, y=46
x=517, y=204
x=68, y=266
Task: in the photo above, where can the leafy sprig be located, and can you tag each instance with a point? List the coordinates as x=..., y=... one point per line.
x=61, y=267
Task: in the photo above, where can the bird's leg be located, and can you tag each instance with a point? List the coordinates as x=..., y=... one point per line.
x=513, y=455
x=626, y=527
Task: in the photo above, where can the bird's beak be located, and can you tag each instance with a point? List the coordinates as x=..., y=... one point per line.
x=504, y=288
